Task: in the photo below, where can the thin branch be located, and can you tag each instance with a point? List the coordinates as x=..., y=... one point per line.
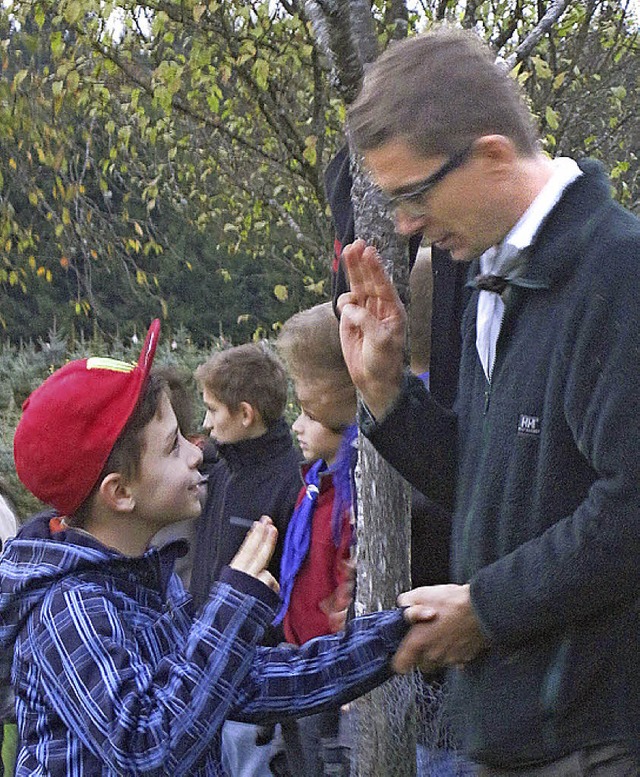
x=554, y=12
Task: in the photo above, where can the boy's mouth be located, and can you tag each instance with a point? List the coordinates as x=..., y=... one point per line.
x=200, y=483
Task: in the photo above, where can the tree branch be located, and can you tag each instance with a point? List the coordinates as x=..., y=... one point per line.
x=363, y=31
x=554, y=12
x=331, y=22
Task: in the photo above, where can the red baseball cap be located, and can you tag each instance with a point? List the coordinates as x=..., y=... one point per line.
x=71, y=422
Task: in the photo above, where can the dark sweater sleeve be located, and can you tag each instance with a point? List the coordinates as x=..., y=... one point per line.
x=418, y=438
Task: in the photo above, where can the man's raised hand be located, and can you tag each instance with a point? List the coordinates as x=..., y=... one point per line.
x=372, y=328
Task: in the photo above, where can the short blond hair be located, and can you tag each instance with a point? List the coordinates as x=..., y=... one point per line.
x=309, y=343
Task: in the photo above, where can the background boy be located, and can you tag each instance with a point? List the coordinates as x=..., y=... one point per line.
x=254, y=472
x=316, y=570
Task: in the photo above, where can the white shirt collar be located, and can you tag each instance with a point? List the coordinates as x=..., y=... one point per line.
x=565, y=172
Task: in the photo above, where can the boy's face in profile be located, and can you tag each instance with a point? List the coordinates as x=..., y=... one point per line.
x=222, y=423
x=168, y=486
x=316, y=441
x=327, y=400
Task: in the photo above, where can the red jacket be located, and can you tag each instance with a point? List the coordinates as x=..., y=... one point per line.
x=322, y=572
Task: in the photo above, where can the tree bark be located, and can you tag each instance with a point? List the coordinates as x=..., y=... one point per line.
x=554, y=12
x=331, y=22
x=386, y=742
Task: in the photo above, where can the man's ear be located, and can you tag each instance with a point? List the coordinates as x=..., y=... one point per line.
x=248, y=414
x=495, y=149
x=116, y=494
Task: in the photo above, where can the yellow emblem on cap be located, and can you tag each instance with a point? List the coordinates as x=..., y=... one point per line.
x=104, y=363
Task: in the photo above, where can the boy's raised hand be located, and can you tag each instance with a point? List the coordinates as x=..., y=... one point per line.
x=256, y=551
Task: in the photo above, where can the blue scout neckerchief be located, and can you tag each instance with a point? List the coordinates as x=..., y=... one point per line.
x=298, y=537
x=342, y=470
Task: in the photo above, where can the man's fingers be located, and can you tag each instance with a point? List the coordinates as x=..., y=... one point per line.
x=411, y=650
x=419, y=613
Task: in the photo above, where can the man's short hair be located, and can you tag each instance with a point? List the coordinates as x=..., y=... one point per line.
x=439, y=92
x=247, y=373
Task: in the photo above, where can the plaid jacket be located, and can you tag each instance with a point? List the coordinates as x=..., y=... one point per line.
x=115, y=675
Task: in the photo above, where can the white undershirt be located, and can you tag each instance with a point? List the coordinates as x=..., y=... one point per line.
x=491, y=305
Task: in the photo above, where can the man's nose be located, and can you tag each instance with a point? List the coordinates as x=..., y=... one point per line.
x=408, y=225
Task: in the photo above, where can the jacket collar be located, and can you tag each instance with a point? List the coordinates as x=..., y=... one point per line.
x=567, y=230
x=272, y=443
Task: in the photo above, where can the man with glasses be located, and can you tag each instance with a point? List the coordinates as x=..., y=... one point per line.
x=540, y=455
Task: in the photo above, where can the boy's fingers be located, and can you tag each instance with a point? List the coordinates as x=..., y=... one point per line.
x=269, y=580
x=256, y=550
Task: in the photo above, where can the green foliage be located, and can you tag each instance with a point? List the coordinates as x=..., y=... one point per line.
x=167, y=160
x=195, y=122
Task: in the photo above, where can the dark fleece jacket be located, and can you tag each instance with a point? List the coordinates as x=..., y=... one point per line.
x=547, y=491
x=255, y=477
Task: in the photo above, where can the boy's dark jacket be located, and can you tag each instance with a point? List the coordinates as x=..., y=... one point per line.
x=116, y=674
x=547, y=516
x=248, y=479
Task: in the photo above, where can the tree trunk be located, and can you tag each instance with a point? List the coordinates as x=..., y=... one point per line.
x=386, y=718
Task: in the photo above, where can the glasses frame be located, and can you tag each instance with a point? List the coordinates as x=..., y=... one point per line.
x=425, y=186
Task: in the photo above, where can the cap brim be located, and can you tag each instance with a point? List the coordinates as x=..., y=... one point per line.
x=149, y=348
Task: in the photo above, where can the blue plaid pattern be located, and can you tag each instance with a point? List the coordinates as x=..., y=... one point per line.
x=114, y=675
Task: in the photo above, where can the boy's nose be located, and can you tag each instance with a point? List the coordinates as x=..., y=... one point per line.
x=196, y=456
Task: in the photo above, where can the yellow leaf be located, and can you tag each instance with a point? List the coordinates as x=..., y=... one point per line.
x=138, y=228
x=281, y=293
x=12, y=164
x=552, y=117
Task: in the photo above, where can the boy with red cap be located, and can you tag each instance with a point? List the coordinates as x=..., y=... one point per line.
x=114, y=673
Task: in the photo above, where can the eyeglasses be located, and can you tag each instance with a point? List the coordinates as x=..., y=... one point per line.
x=411, y=201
